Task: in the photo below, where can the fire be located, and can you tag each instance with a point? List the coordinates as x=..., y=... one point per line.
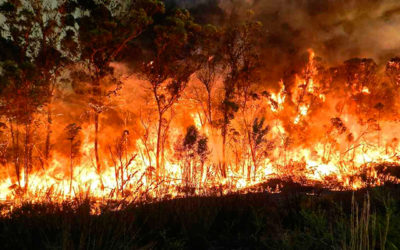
x=332, y=145
x=277, y=99
x=365, y=90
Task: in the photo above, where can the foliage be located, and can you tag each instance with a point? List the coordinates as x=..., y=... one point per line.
x=193, y=151
x=169, y=68
x=259, y=221
x=73, y=134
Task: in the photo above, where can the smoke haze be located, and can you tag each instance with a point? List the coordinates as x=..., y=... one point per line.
x=335, y=30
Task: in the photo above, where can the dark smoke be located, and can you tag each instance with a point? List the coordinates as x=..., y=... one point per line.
x=336, y=29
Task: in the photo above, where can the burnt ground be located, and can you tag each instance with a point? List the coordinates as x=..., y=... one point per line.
x=300, y=217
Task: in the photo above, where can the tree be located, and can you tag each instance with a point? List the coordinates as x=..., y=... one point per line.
x=73, y=134
x=210, y=59
x=240, y=59
x=105, y=30
x=259, y=145
x=122, y=160
x=170, y=67
x=54, y=29
x=24, y=90
x=193, y=151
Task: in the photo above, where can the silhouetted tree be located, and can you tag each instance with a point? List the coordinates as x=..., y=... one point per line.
x=24, y=87
x=259, y=145
x=240, y=62
x=170, y=67
x=122, y=160
x=73, y=134
x=210, y=61
x=193, y=151
x=105, y=30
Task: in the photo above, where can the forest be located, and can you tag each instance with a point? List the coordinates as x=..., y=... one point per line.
x=139, y=100
x=130, y=98
x=199, y=124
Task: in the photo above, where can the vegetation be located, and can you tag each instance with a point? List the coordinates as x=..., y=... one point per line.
x=109, y=94
x=367, y=219
x=70, y=62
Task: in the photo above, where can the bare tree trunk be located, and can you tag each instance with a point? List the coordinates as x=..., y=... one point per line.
x=97, y=101
x=116, y=171
x=27, y=154
x=379, y=128
x=253, y=155
x=224, y=131
x=70, y=166
x=209, y=106
x=96, y=141
x=163, y=138
x=121, y=165
x=48, y=136
x=201, y=174
x=145, y=139
x=249, y=137
x=17, y=155
x=158, y=149
x=15, y=151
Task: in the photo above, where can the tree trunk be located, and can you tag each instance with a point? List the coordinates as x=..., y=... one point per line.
x=158, y=170
x=17, y=155
x=15, y=152
x=97, y=101
x=71, y=167
x=209, y=106
x=122, y=172
x=48, y=136
x=249, y=136
x=253, y=155
x=201, y=174
x=96, y=141
x=97, y=110
x=224, y=131
x=379, y=128
x=27, y=155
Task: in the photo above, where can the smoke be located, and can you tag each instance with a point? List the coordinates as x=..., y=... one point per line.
x=335, y=29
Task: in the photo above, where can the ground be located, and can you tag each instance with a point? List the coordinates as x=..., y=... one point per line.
x=296, y=218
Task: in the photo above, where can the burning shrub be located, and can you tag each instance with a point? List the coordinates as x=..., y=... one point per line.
x=259, y=145
x=193, y=151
